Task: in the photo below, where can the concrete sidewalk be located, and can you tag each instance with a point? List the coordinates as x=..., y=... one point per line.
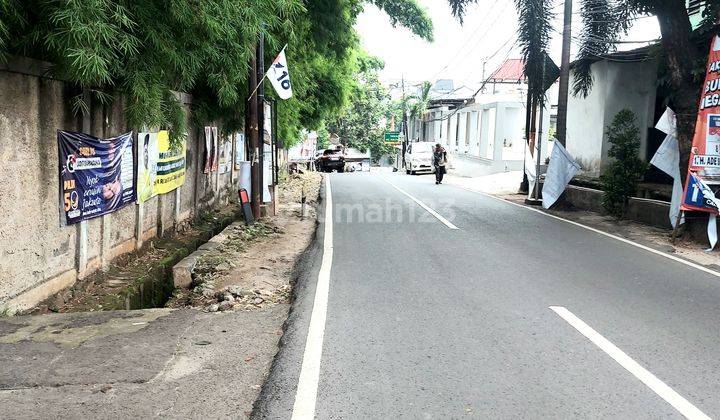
x=149, y=363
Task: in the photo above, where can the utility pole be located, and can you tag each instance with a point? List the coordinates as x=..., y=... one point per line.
x=538, y=152
x=561, y=131
x=251, y=123
x=525, y=184
x=276, y=161
x=483, y=78
x=260, y=58
x=404, y=121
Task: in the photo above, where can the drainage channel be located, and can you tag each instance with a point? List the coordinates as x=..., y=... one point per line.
x=141, y=279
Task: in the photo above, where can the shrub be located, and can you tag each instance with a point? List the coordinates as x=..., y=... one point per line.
x=621, y=177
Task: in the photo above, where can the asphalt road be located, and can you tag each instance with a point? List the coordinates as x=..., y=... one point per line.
x=426, y=321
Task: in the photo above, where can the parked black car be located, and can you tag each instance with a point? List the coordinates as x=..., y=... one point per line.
x=331, y=160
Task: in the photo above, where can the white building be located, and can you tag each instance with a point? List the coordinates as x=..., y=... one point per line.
x=482, y=129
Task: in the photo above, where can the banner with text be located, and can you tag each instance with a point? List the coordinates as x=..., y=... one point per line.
x=170, y=164
x=161, y=168
x=704, y=166
x=96, y=175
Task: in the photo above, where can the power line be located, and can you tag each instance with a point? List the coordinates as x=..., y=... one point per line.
x=480, y=26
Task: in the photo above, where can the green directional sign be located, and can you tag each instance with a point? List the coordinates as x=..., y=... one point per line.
x=392, y=136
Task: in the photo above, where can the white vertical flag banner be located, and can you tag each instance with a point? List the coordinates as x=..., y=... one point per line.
x=667, y=159
x=529, y=170
x=279, y=76
x=561, y=170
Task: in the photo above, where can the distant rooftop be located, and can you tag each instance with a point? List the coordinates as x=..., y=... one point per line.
x=443, y=86
x=511, y=71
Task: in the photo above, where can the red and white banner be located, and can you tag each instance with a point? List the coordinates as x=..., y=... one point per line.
x=704, y=167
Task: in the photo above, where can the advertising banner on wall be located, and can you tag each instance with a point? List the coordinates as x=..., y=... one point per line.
x=225, y=159
x=170, y=164
x=239, y=149
x=96, y=175
x=161, y=168
x=704, y=167
x=211, y=149
x=147, y=165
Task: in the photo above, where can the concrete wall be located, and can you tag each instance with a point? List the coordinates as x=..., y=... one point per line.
x=616, y=85
x=38, y=256
x=651, y=212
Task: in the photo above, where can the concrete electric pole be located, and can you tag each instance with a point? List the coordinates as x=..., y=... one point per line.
x=260, y=118
x=251, y=124
x=561, y=128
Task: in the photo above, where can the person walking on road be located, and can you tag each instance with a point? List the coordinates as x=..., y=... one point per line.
x=439, y=161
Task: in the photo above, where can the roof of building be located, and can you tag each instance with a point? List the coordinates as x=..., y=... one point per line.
x=511, y=71
x=443, y=85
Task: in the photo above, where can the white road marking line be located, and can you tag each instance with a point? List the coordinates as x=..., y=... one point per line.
x=659, y=387
x=609, y=235
x=445, y=221
x=306, y=395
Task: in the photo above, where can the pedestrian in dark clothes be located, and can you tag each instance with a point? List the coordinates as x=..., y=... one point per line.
x=439, y=161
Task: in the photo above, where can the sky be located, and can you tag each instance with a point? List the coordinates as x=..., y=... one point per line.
x=459, y=51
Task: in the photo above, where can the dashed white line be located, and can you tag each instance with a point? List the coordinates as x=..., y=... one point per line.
x=682, y=405
x=445, y=221
x=306, y=394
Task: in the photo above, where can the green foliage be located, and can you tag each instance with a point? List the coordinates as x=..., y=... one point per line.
x=621, y=177
x=146, y=50
x=323, y=138
x=408, y=13
x=418, y=104
x=359, y=123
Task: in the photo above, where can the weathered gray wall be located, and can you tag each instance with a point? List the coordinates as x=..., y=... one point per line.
x=616, y=86
x=38, y=256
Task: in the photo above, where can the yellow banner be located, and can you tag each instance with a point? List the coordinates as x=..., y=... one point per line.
x=170, y=165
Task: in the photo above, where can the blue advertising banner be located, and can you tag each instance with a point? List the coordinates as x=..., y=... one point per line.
x=96, y=175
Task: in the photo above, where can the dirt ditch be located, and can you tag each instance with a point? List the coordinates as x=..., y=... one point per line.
x=250, y=269
x=140, y=279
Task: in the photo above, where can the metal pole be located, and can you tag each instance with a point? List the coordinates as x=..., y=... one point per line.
x=404, y=123
x=539, y=135
x=276, y=161
x=261, y=113
x=525, y=184
x=561, y=130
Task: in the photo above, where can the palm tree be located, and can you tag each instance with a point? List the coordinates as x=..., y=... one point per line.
x=603, y=22
x=417, y=104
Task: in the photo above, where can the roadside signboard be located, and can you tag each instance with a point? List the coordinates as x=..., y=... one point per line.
x=392, y=136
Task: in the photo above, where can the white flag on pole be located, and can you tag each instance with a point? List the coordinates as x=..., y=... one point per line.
x=561, y=170
x=529, y=170
x=667, y=159
x=668, y=123
x=279, y=76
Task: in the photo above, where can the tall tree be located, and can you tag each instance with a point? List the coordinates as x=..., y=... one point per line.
x=362, y=123
x=605, y=20
x=145, y=50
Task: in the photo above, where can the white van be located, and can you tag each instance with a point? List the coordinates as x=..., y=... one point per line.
x=418, y=158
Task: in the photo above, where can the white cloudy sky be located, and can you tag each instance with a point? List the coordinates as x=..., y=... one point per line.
x=458, y=52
